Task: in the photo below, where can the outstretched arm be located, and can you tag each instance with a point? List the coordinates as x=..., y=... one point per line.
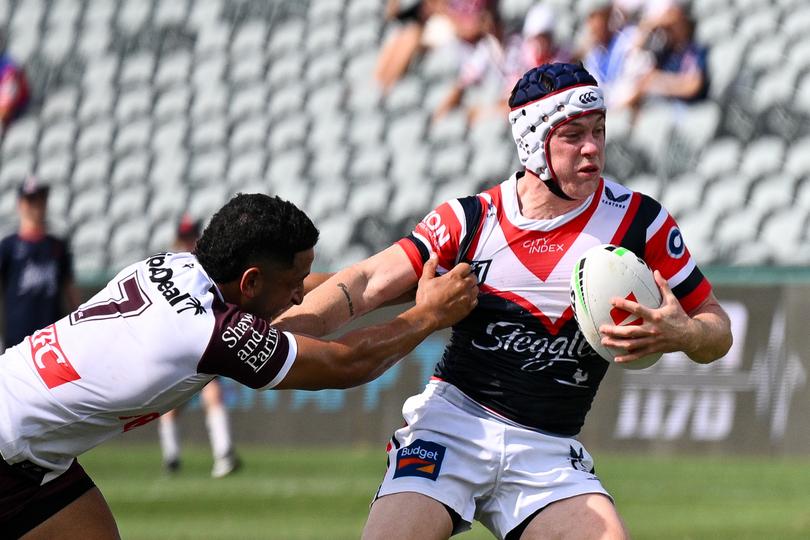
x=350, y=293
x=363, y=355
x=704, y=334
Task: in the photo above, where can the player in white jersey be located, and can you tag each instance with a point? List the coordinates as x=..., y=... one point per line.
x=158, y=333
x=493, y=436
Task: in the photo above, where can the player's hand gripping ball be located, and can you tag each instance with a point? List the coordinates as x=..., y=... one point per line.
x=605, y=272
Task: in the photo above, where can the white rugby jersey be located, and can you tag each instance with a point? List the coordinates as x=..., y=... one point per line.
x=143, y=345
x=520, y=352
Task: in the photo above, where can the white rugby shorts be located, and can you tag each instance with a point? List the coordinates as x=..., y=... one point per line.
x=460, y=454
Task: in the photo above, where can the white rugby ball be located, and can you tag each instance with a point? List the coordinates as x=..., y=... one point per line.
x=605, y=272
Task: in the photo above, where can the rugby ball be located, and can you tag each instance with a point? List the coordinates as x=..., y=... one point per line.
x=605, y=272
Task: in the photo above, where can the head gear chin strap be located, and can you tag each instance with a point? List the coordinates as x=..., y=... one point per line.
x=543, y=100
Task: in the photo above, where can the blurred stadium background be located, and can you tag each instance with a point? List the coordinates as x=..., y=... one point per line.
x=145, y=109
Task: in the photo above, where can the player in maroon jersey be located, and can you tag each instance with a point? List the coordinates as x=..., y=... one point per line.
x=160, y=331
x=493, y=436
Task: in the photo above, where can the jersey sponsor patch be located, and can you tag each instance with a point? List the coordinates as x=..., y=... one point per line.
x=422, y=459
x=50, y=361
x=675, y=245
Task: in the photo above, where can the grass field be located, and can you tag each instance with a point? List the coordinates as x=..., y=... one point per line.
x=323, y=494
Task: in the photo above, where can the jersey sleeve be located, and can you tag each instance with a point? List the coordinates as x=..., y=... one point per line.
x=247, y=348
x=666, y=252
x=443, y=231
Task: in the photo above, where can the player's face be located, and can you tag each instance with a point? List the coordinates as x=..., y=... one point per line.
x=282, y=287
x=577, y=154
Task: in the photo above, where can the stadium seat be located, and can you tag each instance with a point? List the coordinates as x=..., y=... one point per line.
x=764, y=156
x=287, y=101
x=795, y=26
x=492, y=163
x=91, y=172
x=209, y=101
x=133, y=15
x=366, y=129
x=55, y=169
x=89, y=204
x=128, y=202
x=129, y=242
x=136, y=134
x=683, y=194
x=725, y=59
x=450, y=161
x=362, y=35
x=287, y=133
x=60, y=104
x=720, y=157
x=133, y=104
x=370, y=196
x=335, y=231
x=410, y=202
x=328, y=130
x=784, y=231
x=21, y=137
x=248, y=102
x=361, y=68
x=406, y=131
x=137, y=70
x=203, y=202
x=451, y=128
x=15, y=168
x=329, y=162
x=648, y=184
x=208, y=134
x=166, y=204
x=173, y=103
x=248, y=38
x=797, y=160
x=286, y=37
x=247, y=68
x=246, y=167
x=95, y=137
x=203, y=13
x=287, y=68
x=207, y=168
x=91, y=238
x=170, y=135
x=369, y=165
x=249, y=133
x=286, y=167
x=130, y=170
x=169, y=169
x=740, y=227
x=170, y=13
x=652, y=130
x=94, y=40
x=173, y=69
x=97, y=103
x=454, y=188
x=209, y=71
x=727, y=193
x=773, y=192
x=407, y=94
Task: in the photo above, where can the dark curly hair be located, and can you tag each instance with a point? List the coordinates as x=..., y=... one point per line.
x=250, y=228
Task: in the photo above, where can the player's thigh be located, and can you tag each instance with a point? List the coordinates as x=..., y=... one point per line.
x=408, y=516
x=87, y=518
x=583, y=517
x=212, y=393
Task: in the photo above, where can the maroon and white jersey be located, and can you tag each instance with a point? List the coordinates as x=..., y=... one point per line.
x=143, y=345
x=520, y=352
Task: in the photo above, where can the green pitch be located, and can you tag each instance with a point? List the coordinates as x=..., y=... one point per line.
x=289, y=494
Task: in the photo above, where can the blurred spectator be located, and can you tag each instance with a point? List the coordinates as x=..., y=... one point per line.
x=608, y=51
x=420, y=24
x=534, y=46
x=36, y=269
x=216, y=415
x=481, y=54
x=680, y=64
x=14, y=89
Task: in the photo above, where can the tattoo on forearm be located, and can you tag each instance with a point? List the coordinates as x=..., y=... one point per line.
x=345, y=290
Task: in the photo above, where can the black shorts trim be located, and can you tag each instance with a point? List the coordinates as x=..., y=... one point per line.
x=26, y=504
